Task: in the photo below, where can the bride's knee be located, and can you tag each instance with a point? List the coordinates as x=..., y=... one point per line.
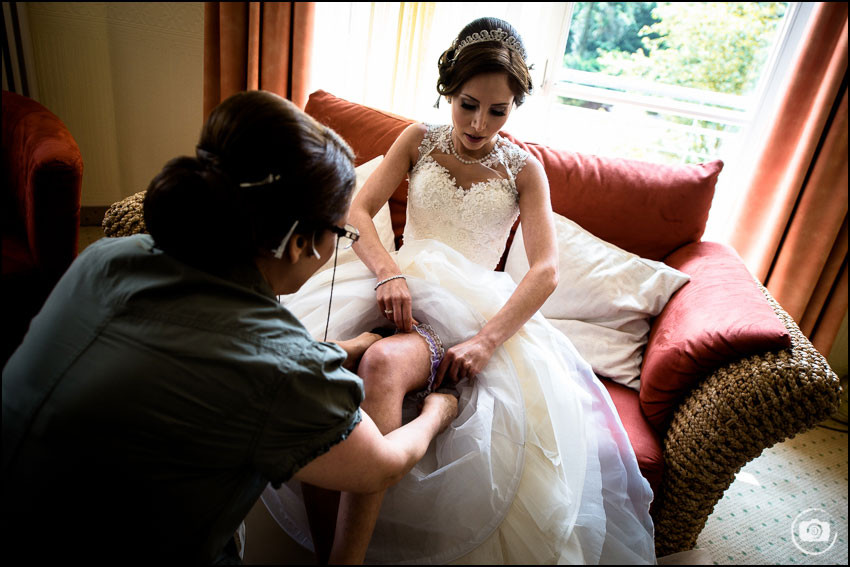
x=378, y=359
x=392, y=362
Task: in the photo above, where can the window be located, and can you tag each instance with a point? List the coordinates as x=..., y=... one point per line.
x=668, y=82
x=662, y=81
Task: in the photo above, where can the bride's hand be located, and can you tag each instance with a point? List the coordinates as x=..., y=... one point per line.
x=464, y=360
x=395, y=303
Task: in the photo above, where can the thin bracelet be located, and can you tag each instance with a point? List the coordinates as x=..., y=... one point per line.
x=380, y=283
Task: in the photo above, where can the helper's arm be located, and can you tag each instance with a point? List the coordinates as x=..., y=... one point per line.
x=370, y=462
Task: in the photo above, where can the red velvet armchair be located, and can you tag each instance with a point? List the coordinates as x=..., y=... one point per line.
x=42, y=172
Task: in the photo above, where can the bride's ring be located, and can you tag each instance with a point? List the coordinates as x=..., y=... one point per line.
x=388, y=311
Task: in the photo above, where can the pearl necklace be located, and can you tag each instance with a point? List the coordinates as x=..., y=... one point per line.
x=466, y=161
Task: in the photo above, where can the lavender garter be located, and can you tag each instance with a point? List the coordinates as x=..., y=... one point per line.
x=435, y=345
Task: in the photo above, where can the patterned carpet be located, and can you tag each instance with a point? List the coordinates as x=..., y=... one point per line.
x=788, y=506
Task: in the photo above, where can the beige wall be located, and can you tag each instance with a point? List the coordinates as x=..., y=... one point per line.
x=127, y=80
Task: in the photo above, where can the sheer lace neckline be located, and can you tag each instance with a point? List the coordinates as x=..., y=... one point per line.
x=475, y=221
x=505, y=154
x=475, y=185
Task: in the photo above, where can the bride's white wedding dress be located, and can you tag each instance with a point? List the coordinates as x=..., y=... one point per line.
x=537, y=467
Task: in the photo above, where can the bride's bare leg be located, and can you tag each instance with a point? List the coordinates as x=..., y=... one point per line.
x=390, y=369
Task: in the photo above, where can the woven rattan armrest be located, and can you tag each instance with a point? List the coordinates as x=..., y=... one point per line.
x=728, y=420
x=125, y=217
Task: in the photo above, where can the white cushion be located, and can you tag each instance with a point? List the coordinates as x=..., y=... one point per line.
x=382, y=220
x=604, y=299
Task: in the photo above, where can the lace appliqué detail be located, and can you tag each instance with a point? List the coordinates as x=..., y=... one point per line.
x=507, y=153
x=475, y=222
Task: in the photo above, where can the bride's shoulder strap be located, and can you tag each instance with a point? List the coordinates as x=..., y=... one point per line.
x=513, y=156
x=436, y=137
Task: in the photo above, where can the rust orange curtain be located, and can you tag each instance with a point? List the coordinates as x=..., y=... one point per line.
x=257, y=45
x=792, y=227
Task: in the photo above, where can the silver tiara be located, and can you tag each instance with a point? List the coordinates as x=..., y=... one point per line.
x=499, y=35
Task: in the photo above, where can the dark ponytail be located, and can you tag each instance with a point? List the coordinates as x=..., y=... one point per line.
x=261, y=164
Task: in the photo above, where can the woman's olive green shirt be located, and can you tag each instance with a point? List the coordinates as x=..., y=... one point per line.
x=157, y=401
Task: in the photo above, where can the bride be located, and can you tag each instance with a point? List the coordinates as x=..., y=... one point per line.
x=537, y=468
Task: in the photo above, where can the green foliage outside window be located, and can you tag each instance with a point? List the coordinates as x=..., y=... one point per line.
x=601, y=27
x=715, y=46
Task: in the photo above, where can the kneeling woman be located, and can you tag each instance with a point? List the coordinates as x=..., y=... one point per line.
x=163, y=386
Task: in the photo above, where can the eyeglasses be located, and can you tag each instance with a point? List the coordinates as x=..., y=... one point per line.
x=348, y=235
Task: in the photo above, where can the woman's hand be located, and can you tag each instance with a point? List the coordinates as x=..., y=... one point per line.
x=443, y=405
x=465, y=360
x=355, y=348
x=395, y=303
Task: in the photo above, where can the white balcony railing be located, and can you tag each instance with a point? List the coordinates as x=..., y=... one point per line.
x=629, y=117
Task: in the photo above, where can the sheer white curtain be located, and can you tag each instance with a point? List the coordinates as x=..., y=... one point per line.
x=384, y=54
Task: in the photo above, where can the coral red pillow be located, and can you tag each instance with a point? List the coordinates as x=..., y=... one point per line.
x=370, y=133
x=643, y=438
x=646, y=208
x=720, y=316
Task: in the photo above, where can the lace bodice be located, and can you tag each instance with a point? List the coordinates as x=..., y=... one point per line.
x=475, y=221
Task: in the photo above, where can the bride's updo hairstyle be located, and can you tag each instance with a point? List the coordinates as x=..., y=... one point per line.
x=472, y=54
x=261, y=164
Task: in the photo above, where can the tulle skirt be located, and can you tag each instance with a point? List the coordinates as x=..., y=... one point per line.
x=537, y=467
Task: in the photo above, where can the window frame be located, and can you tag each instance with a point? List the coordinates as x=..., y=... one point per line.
x=546, y=31
x=754, y=113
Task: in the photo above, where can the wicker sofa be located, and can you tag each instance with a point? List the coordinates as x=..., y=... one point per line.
x=726, y=372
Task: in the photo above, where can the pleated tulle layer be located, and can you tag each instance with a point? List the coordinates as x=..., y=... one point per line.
x=535, y=469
